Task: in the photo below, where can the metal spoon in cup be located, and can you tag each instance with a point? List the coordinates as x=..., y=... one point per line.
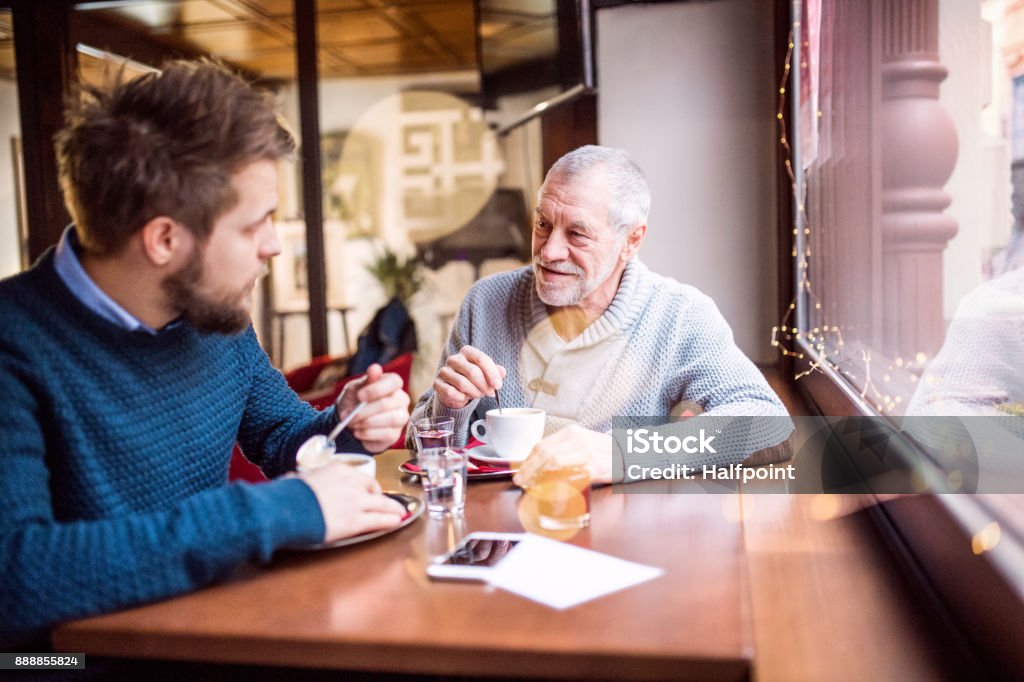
x=343, y=423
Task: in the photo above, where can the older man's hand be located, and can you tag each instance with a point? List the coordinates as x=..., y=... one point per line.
x=383, y=420
x=466, y=376
x=572, y=445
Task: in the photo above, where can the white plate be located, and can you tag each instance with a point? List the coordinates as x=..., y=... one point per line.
x=486, y=453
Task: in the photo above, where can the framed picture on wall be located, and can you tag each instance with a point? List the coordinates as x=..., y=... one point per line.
x=289, y=271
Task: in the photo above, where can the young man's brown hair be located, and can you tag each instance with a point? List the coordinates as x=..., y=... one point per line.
x=166, y=144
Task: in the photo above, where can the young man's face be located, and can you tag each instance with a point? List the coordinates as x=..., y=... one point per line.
x=576, y=251
x=214, y=289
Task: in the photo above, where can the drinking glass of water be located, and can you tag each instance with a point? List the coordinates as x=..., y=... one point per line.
x=444, y=479
x=434, y=432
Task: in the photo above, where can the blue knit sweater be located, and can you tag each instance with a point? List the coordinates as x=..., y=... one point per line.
x=114, y=448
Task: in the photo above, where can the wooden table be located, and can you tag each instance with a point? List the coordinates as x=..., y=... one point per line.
x=371, y=606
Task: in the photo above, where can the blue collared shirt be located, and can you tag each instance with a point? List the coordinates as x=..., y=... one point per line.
x=71, y=272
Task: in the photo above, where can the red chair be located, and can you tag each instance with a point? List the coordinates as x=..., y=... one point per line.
x=302, y=379
x=242, y=469
x=325, y=397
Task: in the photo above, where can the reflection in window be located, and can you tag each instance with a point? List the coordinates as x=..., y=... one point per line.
x=103, y=69
x=906, y=151
x=409, y=163
x=367, y=52
x=254, y=38
x=908, y=178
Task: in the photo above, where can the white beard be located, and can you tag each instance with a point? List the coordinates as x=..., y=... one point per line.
x=569, y=293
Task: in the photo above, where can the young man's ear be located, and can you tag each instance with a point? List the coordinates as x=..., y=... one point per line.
x=633, y=240
x=163, y=239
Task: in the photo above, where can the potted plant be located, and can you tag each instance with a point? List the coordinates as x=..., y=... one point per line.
x=400, y=277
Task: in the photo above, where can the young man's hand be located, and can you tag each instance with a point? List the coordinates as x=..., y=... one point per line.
x=382, y=421
x=351, y=502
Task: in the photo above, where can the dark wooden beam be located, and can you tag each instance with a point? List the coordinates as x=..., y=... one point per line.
x=572, y=43
x=567, y=127
x=45, y=65
x=126, y=39
x=312, y=199
x=524, y=76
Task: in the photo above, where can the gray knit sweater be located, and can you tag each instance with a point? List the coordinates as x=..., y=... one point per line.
x=673, y=346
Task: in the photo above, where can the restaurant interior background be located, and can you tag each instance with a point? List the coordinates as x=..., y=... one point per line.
x=377, y=194
x=838, y=175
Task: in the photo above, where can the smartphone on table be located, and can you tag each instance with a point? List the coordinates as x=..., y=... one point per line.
x=475, y=556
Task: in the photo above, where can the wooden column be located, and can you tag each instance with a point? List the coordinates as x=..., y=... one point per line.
x=919, y=150
x=45, y=66
x=312, y=192
x=567, y=127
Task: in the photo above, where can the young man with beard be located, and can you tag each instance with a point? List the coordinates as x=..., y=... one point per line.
x=588, y=333
x=130, y=368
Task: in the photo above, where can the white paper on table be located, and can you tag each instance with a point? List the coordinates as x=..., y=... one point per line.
x=560, y=575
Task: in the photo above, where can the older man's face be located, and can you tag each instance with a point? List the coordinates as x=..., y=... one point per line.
x=576, y=251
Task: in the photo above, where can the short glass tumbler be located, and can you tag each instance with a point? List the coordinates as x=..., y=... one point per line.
x=562, y=497
x=444, y=480
x=433, y=432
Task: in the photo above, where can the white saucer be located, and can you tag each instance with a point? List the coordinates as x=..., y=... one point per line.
x=486, y=453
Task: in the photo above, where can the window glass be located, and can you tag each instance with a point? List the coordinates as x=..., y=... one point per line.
x=906, y=145
x=409, y=169
x=410, y=156
x=256, y=38
x=908, y=180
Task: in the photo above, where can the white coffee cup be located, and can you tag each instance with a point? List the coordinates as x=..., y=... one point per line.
x=317, y=452
x=512, y=431
x=364, y=464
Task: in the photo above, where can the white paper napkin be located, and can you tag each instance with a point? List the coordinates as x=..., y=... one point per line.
x=560, y=575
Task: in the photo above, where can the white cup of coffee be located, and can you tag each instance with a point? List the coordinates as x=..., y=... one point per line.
x=317, y=452
x=512, y=431
x=364, y=464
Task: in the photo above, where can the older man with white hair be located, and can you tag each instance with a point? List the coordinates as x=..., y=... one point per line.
x=588, y=333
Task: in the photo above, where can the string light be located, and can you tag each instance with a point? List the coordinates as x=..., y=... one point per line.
x=785, y=334
x=824, y=337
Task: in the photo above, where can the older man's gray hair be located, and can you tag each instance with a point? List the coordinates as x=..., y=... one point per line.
x=629, y=197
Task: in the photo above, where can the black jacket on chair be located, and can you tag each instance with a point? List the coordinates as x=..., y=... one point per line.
x=390, y=333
